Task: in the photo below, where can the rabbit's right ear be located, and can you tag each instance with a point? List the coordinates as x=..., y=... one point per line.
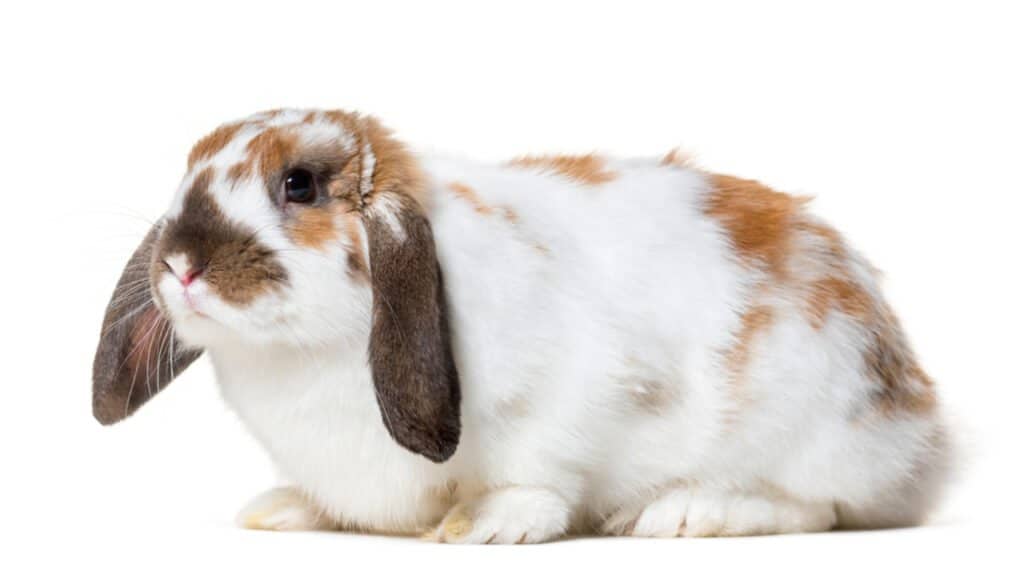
x=138, y=353
x=411, y=358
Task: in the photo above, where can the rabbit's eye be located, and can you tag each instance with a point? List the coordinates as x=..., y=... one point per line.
x=300, y=186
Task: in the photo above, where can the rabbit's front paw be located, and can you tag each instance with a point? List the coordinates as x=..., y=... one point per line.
x=508, y=516
x=282, y=509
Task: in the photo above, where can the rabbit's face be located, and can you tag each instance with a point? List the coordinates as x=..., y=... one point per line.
x=263, y=241
x=296, y=228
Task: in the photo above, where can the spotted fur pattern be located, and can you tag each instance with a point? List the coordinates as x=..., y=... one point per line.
x=504, y=353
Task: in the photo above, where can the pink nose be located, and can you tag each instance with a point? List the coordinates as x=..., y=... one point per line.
x=190, y=275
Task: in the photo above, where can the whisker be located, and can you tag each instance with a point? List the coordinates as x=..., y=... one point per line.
x=160, y=355
x=148, y=368
x=136, y=289
x=128, y=296
x=127, y=316
x=135, y=372
x=126, y=214
x=170, y=350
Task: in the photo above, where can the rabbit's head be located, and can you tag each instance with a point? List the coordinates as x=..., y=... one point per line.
x=294, y=229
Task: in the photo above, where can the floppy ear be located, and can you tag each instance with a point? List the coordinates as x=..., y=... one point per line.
x=414, y=373
x=138, y=353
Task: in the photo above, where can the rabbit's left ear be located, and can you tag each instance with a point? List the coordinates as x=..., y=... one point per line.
x=138, y=353
x=414, y=372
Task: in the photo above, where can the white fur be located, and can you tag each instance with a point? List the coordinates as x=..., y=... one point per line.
x=366, y=178
x=558, y=320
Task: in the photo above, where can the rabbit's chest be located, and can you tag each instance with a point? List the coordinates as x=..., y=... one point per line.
x=320, y=423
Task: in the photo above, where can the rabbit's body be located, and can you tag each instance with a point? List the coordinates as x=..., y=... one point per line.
x=641, y=348
x=592, y=335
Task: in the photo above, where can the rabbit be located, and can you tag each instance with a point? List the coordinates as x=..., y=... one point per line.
x=510, y=353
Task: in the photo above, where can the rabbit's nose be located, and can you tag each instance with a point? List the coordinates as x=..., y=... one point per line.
x=182, y=269
x=190, y=275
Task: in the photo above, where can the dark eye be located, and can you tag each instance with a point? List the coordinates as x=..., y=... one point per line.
x=300, y=186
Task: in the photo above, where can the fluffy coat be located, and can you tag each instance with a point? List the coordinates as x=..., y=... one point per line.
x=504, y=353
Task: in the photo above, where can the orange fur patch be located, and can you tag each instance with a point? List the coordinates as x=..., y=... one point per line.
x=213, y=143
x=588, y=169
x=239, y=171
x=759, y=220
x=754, y=321
x=833, y=293
x=267, y=152
x=888, y=359
x=828, y=235
x=395, y=170
x=356, y=262
x=466, y=193
x=764, y=227
x=905, y=387
x=469, y=195
x=313, y=227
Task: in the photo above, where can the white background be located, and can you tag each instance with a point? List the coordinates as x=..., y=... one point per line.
x=904, y=120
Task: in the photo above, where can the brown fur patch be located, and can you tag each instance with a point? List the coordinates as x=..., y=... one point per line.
x=759, y=220
x=213, y=143
x=236, y=265
x=586, y=169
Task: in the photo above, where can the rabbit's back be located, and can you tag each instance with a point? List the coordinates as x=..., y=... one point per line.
x=648, y=325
